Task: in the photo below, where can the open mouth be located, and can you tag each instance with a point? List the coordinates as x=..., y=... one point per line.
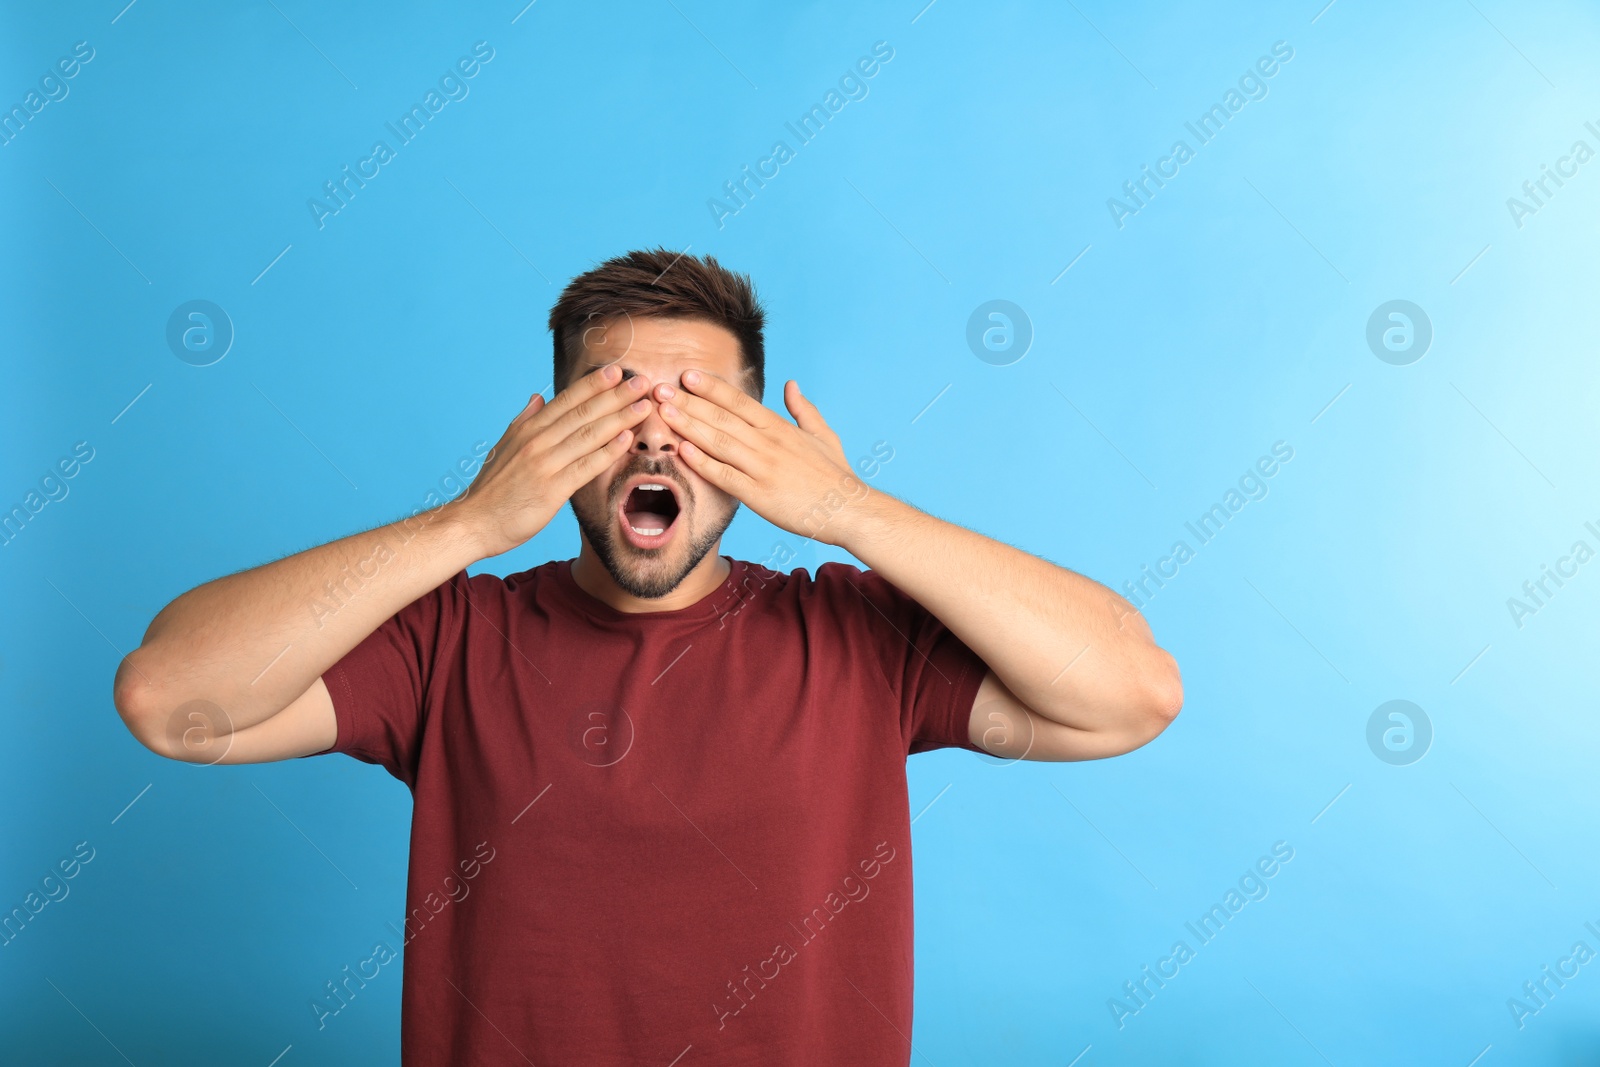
x=649, y=512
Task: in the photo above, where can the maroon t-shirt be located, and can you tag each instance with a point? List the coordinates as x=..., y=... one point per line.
x=678, y=837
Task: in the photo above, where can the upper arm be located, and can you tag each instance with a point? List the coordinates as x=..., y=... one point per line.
x=930, y=675
x=198, y=733
x=1006, y=728
x=382, y=686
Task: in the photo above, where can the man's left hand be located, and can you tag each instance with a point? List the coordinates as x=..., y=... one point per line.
x=793, y=474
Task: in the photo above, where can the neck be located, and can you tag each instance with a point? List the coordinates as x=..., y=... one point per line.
x=593, y=578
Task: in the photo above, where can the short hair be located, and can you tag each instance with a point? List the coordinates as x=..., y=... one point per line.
x=660, y=283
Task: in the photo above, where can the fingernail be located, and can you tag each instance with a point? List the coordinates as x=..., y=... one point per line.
x=666, y=392
x=668, y=409
x=637, y=383
x=610, y=373
x=640, y=405
x=691, y=377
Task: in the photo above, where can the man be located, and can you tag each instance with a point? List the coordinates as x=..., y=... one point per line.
x=660, y=809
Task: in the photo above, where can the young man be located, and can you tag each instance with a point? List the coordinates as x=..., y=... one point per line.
x=660, y=810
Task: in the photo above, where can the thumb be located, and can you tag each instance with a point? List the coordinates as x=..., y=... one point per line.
x=805, y=413
x=535, y=405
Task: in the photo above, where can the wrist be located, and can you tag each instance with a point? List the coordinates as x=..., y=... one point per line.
x=868, y=523
x=460, y=534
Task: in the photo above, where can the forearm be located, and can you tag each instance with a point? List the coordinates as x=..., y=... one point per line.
x=1066, y=648
x=253, y=642
x=1064, y=645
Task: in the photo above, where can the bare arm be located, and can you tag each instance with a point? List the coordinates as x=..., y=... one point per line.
x=231, y=672
x=1074, y=672
x=226, y=657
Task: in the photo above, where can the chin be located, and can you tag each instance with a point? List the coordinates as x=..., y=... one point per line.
x=647, y=573
x=652, y=571
x=647, y=532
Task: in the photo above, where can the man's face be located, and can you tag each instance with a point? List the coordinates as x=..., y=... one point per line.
x=650, y=539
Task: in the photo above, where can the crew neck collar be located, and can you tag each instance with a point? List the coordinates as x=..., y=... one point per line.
x=706, y=608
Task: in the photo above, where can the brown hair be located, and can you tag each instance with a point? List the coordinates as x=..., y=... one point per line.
x=663, y=283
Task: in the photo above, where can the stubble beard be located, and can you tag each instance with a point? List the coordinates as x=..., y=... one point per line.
x=646, y=573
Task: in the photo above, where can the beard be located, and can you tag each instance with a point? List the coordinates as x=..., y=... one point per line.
x=649, y=573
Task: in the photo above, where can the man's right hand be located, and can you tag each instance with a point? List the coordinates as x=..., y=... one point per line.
x=549, y=452
x=231, y=671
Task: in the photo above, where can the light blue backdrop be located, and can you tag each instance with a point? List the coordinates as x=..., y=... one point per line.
x=1228, y=313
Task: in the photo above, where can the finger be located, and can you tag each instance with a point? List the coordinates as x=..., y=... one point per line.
x=587, y=467
x=585, y=388
x=720, y=443
x=535, y=405
x=729, y=396
x=597, y=406
x=714, y=415
x=806, y=414
x=591, y=435
x=729, y=479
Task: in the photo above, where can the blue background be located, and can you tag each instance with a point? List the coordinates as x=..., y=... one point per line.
x=1229, y=313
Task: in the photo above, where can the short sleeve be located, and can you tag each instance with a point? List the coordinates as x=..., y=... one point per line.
x=381, y=687
x=932, y=673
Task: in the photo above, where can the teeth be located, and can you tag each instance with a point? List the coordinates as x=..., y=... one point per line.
x=649, y=533
x=659, y=488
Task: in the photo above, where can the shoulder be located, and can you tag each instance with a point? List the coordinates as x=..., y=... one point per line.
x=799, y=582
x=547, y=587
x=829, y=576
x=475, y=587
x=492, y=594
x=850, y=581
x=838, y=588
x=542, y=576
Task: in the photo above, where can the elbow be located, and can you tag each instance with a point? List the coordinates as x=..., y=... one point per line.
x=176, y=728
x=132, y=691
x=1156, y=689
x=1163, y=692
x=138, y=701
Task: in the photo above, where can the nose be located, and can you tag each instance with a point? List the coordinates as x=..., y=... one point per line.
x=653, y=437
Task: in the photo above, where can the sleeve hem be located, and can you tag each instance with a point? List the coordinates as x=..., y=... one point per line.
x=958, y=712
x=346, y=709
x=966, y=693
